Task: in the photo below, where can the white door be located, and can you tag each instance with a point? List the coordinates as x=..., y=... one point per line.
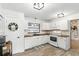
x=14, y=32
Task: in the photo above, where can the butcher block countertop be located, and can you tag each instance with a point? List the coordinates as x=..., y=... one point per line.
x=27, y=35
x=63, y=35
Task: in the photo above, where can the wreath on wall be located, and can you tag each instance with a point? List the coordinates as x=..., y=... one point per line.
x=13, y=27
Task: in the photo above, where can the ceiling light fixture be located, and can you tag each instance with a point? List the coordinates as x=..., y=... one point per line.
x=38, y=6
x=60, y=15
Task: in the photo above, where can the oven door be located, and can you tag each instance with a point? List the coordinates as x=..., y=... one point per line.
x=53, y=41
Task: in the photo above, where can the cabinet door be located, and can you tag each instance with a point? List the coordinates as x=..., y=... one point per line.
x=62, y=42
x=46, y=26
x=43, y=39
x=68, y=43
x=36, y=41
x=46, y=39
x=32, y=41
x=28, y=42
x=54, y=25
x=62, y=25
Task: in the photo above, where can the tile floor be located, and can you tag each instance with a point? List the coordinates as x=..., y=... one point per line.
x=48, y=50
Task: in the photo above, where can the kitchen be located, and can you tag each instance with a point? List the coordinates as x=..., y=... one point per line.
x=39, y=29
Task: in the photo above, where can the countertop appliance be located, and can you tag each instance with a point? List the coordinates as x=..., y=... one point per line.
x=2, y=41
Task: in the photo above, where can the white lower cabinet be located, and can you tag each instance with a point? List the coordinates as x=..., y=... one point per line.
x=64, y=43
x=35, y=41
x=28, y=42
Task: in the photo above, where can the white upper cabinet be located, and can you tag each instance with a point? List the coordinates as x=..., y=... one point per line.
x=54, y=25
x=62, y=25
x=45, y=26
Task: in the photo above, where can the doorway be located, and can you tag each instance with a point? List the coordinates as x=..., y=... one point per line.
x=74, y=33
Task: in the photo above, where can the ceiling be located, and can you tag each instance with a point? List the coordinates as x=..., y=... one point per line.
x=49, y=12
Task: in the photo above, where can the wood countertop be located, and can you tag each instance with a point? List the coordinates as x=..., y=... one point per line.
x=45, y=34
x=63, y=35
x=35, y=35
